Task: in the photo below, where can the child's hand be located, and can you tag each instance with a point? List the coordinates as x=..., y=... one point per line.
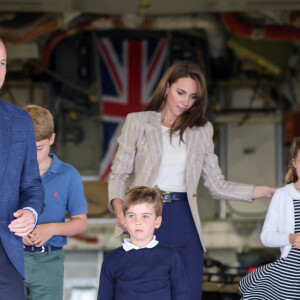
x=27, y=240
x=294, y=239
x=41, y=234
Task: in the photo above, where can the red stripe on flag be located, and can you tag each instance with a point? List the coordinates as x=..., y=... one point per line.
x=121, y=110
x=134, y=103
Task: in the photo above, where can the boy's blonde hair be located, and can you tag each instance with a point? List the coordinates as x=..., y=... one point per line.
x=42, y=120
x=143, y=194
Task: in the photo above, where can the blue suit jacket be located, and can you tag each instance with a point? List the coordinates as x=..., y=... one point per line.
x=20, y=182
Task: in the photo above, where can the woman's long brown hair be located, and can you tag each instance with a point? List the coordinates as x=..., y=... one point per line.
x=195, y=115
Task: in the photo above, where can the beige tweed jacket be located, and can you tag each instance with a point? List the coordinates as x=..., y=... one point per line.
x=140, y=154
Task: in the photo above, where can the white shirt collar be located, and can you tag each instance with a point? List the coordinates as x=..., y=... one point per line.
x=127, y=246
x=292, y=191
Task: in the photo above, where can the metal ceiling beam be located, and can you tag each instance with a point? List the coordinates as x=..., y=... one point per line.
x=149, y=7
x=36, y=6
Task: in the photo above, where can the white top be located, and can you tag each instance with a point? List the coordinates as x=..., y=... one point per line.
x=171, y=175
x=127, y=246
x=280, y=219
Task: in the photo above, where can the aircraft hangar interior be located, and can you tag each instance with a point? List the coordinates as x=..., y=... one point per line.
x=91, y=63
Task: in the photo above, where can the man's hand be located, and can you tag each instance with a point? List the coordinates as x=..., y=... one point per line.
x=24, y=222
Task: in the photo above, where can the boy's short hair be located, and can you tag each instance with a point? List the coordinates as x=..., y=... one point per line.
x=143, y=194
x=42, y=120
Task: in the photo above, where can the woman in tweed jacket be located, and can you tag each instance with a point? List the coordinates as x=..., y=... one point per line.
x=170, y=145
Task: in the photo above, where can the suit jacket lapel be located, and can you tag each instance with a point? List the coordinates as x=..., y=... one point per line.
x=154, y=137
x=190, y=149
x=5, y=140
x=195, y=156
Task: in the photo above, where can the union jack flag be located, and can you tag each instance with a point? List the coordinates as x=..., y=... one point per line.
x=130, y=71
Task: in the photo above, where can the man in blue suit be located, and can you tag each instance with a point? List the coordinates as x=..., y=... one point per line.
x=21, y=191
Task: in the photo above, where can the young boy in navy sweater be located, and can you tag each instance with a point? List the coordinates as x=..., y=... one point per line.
x=142, y=268
x=44, y=256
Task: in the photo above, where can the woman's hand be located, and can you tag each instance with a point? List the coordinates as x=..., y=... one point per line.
x=121, y=220
x=263, y=191
x=294, y=239
x=118, y=209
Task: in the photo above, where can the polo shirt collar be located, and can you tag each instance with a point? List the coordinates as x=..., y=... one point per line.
x=127, y=246
x=56, y=166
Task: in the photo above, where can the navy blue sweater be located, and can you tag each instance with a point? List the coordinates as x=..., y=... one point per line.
x=144, y=274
